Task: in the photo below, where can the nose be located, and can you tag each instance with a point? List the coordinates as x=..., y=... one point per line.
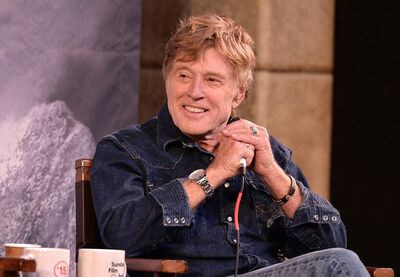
x=196, y=90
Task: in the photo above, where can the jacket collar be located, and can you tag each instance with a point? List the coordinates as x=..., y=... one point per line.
x=168, y=133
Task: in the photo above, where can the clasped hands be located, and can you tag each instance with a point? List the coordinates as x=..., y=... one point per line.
x=243, y=139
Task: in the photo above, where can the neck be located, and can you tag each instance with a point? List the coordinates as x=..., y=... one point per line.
x=208, y=142
x=209, y=145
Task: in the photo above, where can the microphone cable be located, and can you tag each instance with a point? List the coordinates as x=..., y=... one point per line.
x=242, y=172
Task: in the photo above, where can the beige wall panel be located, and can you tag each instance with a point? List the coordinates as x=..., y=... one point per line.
x=295, y=35
x=160, y=18
x=244, y=13
x=152, y=93
x=296, y=108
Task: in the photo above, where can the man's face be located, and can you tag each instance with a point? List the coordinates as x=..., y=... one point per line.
x=202, y=94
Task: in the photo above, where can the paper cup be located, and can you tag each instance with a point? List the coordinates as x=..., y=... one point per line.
x=101, y=263
x=50, y=262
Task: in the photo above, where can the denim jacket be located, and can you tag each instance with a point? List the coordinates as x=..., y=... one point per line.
x=142, y=207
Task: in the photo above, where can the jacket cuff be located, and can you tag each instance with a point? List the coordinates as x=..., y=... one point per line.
x=313, y=209
x=174, y=202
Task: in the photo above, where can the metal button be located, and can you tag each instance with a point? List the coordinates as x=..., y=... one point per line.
x=168, y=220
x=234, y=241
x=269, y=222
x=334, y=218
x=227, y=185
x=176, y=220
x=183, y=220
x=229, y=218
x=325, y=218
x=316, y=217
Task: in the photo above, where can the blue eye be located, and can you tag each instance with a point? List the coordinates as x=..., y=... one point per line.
x=214, y=80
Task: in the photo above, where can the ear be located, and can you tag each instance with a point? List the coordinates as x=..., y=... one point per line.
x=238, y=99
x=166, y=86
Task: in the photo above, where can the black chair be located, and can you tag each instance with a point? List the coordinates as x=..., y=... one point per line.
x=87, y=234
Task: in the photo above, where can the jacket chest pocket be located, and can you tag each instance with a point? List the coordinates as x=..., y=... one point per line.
x=266, y=210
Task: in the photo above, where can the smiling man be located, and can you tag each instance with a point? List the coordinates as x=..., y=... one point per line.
x=202, y=94
x=167, y=188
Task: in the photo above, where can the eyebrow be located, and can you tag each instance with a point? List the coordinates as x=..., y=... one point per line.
x=212, y=73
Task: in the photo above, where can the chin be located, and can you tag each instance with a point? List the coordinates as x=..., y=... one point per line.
x=193, y=131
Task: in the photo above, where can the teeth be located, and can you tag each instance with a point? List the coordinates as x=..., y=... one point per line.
x=194, y=110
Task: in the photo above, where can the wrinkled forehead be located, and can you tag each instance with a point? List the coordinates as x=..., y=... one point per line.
x=186, y=57
x=190, y=56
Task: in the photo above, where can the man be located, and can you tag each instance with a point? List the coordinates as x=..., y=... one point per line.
x=167, y=188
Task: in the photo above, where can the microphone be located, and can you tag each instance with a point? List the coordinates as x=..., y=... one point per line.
x=242, y=166
x=242, y=162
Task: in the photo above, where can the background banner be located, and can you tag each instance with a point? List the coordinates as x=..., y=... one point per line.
x=69, y=74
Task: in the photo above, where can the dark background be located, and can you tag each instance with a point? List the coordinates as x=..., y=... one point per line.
x=365, y=154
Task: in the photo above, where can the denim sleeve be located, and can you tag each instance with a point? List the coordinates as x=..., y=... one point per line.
x=316, y=224
x=130, y=216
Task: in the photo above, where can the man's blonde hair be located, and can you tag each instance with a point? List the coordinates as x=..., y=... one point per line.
x=198, y=33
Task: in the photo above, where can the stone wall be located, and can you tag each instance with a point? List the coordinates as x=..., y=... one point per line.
x=292, y=94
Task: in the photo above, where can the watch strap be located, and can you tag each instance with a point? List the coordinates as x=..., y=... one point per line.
x=205, y=185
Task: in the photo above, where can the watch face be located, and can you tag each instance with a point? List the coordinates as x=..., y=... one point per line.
x=196, y=175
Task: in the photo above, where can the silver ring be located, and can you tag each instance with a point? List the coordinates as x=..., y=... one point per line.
x=247, y=145
x=254, y=131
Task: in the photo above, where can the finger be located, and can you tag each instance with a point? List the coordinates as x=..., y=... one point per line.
x=249, y=156
x=249, y=146
x=249, y=139
x=248, y=153
x=254, y=131
x=236, y=126
x=244, y=127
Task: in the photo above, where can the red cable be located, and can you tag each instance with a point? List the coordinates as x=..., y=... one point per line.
x=236, y=215
x=236, y=218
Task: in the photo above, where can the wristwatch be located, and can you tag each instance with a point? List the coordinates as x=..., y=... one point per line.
x=199, y=176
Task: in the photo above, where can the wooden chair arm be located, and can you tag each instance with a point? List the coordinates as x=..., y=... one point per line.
x=380, y=271
x=152, y=265
x=7, y=265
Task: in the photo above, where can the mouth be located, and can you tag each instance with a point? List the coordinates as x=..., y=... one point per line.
x=194, y=109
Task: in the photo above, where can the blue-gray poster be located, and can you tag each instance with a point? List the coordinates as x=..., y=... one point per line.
x=69, y=74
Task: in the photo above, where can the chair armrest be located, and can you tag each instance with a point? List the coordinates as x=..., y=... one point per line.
x=152, y=265
x=380, y=271
x=16, y=264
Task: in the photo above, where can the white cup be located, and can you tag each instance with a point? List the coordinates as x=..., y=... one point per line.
x=16, y=250
x=50, y=262
x=101, y=263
